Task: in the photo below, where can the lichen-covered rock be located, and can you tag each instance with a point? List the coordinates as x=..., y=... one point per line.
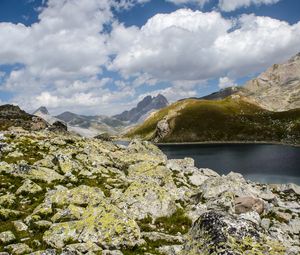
x=103, y=224
x=42, y=224
x=29, y=187
x=18, y=249
x=20, y=226
x=82, y=248
x=81, y=195
x=233, y=182
x=7, y=237
x=45, y=252
x=216, y=233
x=6, y=214
x=7, y=200
x=43, y=174
x=143, y=199
x=72, y=212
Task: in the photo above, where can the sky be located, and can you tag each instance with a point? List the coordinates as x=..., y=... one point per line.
x=103, y=56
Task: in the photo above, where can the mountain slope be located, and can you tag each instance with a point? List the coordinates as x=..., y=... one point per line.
x=277, y=89
x=143, y=109
x=230, y=119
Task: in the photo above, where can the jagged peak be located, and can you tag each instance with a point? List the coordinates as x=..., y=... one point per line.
x=43, y=110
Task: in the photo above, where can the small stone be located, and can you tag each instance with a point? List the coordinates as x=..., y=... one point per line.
x=171, y=249
x=43, y=224
x=20, y=226
x=18, y=249
x=251, y=216
x=283, y=216
x=7, y=200
x=7, y=237
x=109, y=252
x=28, y=187
x=83, y=247
x=265, y=223
x=295, y=226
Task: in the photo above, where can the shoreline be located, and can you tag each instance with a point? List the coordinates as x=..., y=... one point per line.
x=229, y=142
x=219, y=142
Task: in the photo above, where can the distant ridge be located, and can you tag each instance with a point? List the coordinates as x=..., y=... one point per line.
x=144, y=107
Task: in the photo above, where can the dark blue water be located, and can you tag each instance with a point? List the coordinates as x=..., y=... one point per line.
x=258, y=162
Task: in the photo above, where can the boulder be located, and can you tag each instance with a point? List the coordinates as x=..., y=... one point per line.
x=103, y=224
x=143, y=199
x=20, y=226
x=7, y=237
x=81, y=195
x=248, y=204
x=233, y=182
x=218, y=233
x=58, y=126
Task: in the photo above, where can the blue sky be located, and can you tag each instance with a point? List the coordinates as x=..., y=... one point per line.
x=102, y=56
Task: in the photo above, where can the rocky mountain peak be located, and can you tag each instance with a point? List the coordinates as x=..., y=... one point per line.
x=278, y=88
x=42, y=110
x=147, y=105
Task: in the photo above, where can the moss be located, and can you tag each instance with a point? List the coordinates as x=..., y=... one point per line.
x=145, y=224
x=151, y=247
x=31, y=150
x=177, y=222
x=250, y=246
x=273, y=216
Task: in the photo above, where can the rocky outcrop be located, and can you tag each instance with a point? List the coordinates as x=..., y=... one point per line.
x=277, y=89
x=162, y=130
x=12, y=116
x=58, y=126
x=62, y=194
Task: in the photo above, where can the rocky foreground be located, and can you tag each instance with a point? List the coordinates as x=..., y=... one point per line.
x=61, y=194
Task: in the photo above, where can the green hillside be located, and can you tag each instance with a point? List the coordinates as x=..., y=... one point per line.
x=230, y=119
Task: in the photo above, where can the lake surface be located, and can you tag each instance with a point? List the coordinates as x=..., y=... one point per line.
x=258, y=162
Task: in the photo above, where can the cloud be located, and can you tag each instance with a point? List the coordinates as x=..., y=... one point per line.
x=179, y=2
x=231, y=5
x=193, y=46
x=62, y=59
x=225, y=82
x=61, y=55
x=226, y=5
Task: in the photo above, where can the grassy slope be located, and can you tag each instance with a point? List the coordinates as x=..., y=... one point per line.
x=223, y=120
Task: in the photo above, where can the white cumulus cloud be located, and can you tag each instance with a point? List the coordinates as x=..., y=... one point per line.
x=199, y=2
x=231, y=5
x=192, y=45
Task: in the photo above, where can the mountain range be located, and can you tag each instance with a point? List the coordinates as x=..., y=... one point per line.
x=90, y=126
x=267, y=108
